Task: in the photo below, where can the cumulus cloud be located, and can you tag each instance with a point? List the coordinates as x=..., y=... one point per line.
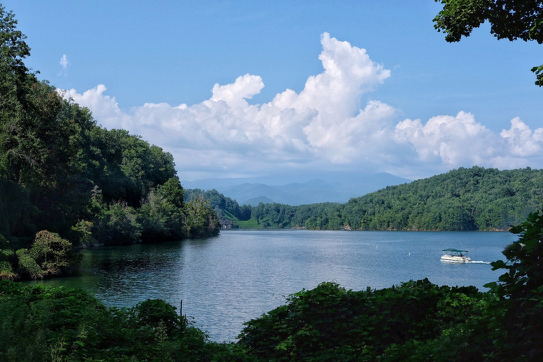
x=452, y=141
x=105, y=109
x=325, y=125
x=521, y=140
x=445, y=139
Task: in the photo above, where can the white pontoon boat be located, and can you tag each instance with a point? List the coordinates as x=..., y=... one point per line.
x=455, y=256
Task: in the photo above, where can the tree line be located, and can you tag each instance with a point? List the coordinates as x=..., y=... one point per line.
x=66, y=182
x=474, y=198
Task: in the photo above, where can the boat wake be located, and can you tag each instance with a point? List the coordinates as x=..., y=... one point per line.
x=478, y=262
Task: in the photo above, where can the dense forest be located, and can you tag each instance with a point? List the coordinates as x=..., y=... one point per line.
x=464, y=199
x=66, y=182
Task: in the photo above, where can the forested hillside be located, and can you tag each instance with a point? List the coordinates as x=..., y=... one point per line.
x=225, y=208
x=65, y=182
x=464, y=199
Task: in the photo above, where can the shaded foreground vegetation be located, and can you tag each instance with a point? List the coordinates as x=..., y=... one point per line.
x=415, y=321
x=464, y=199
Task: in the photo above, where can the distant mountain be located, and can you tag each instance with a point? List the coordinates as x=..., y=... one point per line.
x=311, y=192
x=336, y=187
x=258, y=200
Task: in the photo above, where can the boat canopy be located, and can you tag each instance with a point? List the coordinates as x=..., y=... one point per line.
x=455, y=250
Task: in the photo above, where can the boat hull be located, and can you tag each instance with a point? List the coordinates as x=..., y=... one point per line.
x=455, y=259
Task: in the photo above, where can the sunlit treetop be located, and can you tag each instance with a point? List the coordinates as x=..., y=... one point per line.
x=13, y=48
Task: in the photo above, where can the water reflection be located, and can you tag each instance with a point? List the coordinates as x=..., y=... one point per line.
x=228, y=280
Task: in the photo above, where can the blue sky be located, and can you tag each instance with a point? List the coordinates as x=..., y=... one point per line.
x=256, y=88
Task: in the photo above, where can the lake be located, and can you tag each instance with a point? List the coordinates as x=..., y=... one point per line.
x=230, y=279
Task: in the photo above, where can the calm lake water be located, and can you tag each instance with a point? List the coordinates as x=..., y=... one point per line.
x=239, y=275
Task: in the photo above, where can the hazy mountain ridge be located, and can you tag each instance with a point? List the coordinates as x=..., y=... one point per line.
x=329, y=188
x=258, y=200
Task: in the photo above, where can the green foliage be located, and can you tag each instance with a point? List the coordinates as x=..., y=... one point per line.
x=225, y=207
x=28, y=265
x=159, y=219
x=464, y=199
x=201, y=220
x=118, y=225
x=44, y=324
x=539, y=75
x=159, y=315
x=59, y=171
x=162, y=213
x=13, y=48
x=510, y=20
x=15, y=210
x=7, y=259
x=51, y=252
x=327, y=323
x=520, y=290
x=123, y=166
x=49, y=255
x=331, y=322
x=172, y=192
x=82, y=233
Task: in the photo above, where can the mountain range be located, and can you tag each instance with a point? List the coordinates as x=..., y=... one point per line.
x=339, y=188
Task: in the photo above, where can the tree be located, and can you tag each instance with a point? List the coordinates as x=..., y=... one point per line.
x=49, y=255
x=162, y=212
x=520, y=290
x=13, y=48
x=201, y=220
x=509, y=19
x=173, y=192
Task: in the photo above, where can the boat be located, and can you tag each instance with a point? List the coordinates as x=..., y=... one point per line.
x=455, y=256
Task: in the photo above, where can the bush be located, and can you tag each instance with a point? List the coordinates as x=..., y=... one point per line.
x=331, y=321
x=520, y=292
x=41, y=324
x=48, y=255
x=7, y=259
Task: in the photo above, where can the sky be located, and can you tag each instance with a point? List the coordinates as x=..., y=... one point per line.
x=236, y=89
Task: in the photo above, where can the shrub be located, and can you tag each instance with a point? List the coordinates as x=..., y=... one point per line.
x=331, y=321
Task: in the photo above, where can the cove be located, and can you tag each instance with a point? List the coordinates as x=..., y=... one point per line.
x=227, y=280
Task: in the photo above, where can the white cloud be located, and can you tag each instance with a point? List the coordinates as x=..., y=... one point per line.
x=325, y=125
x=447, y=139
x=521, y=140
x=235, y=94
x=104, y=108
x=448, y=142
x=64, y=63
